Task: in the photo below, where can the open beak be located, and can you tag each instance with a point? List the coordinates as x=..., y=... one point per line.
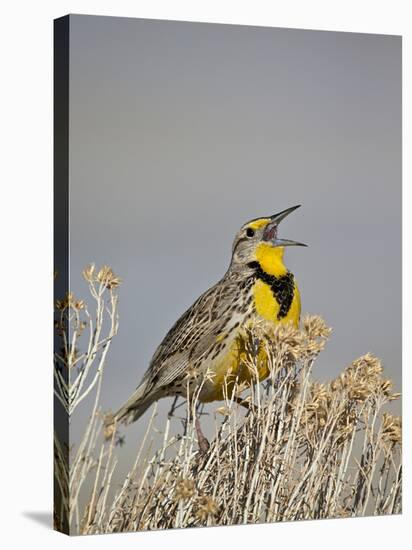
x=271, y=230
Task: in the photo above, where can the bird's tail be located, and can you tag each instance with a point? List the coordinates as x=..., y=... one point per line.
x=134, y=407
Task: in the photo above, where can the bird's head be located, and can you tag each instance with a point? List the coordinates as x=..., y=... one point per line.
x=257, y=242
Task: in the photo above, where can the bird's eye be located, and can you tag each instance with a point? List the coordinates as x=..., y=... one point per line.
x=250, y=232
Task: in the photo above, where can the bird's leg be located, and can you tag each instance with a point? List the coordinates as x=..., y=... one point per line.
x=201, y=438
x=194, y=414
x=253, y=347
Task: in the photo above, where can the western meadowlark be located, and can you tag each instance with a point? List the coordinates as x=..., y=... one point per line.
x=207, y=338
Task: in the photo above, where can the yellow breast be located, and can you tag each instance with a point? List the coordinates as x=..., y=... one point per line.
x=233, y=366
x=268, y=307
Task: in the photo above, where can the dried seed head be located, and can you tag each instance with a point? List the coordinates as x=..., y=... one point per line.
x=363, y=379
x=206, y=507
x=185, y=489
x=369, y=364
x=286, y=345
x=288, y=335
x=106, y=277
x=69, y=301
x=88, y=273
x=315, y=327
x=392, y=428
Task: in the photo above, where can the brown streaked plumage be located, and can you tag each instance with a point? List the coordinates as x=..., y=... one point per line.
x=207, y=337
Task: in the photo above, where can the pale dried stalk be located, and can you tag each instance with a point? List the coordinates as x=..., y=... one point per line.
x=77, y=376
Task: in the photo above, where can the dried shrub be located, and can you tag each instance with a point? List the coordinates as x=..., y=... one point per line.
x=296, y=449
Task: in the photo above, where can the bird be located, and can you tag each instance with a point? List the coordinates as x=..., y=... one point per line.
x=207, y=338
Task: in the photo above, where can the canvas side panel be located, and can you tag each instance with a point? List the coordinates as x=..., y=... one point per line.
x=61, y=266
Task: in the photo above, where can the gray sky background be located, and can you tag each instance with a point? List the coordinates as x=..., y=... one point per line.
x=181, y=132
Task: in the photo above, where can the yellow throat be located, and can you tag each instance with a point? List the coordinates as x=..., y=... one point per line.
x=267, y=303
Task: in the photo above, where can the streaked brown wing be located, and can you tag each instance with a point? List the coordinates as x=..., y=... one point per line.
x=191, y=336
